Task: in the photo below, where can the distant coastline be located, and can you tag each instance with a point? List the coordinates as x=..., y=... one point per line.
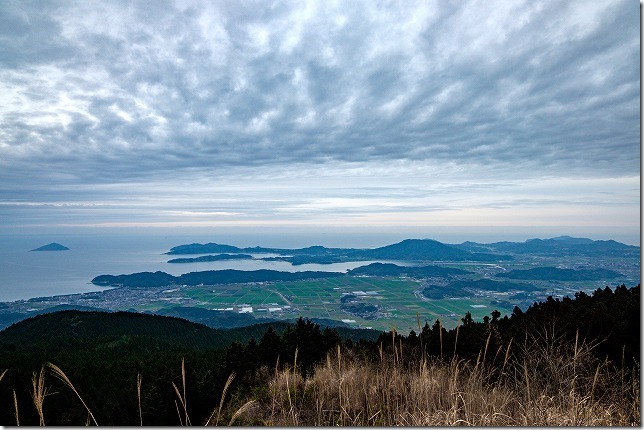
x=207, y=258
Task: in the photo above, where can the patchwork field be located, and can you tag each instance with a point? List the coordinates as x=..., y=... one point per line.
x=379, y=303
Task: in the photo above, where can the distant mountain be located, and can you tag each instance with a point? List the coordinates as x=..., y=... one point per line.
x=557, y=274
x=297, y=260
x=431, y=250
x=206, y=258
x=409, y=249
x=207, y=248
x=427, y=250
x=558, y=246
x=309, y=251
x=51, y=247
x=389, y=269
x=573, y=240
x=209, y=277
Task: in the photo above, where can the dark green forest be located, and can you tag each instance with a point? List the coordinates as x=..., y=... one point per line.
x=103, y=354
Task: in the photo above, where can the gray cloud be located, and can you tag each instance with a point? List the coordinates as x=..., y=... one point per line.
x=147, y=94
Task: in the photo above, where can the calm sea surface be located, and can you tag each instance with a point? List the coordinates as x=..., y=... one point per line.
x=25, y=274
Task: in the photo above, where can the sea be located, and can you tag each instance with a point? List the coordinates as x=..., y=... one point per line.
x=25, y=275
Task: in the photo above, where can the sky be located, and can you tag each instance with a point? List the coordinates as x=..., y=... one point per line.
x=321, y=116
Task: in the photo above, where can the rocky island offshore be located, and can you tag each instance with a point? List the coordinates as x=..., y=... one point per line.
x=51, y=247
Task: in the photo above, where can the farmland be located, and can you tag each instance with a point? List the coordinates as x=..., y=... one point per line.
x=374, y=302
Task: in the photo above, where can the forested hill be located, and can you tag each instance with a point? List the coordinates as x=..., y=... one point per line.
x=558, y=246
x=104, y=353
x=82, y=330
x=390, y=269
x=428, y=249
x=208, y=277
x=95, y=330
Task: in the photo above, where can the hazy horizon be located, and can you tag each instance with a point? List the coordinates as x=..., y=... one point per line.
x=347, y=237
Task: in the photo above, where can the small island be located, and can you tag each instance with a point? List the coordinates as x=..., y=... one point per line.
x=51, y=247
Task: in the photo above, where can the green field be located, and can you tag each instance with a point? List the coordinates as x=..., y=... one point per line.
x=398, y=301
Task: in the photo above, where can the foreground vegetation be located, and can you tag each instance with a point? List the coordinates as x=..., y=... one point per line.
x=561, y=362
x=550, y=386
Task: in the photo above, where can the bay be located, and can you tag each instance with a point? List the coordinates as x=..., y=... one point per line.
x=25, y=275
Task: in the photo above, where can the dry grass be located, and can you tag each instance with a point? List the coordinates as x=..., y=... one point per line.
x=185, y=419
x=39, y=393
x=139, y=383
x=244, y=409
x=15, y=405
x=221, y=401
x=58, y=373
x=551, y=386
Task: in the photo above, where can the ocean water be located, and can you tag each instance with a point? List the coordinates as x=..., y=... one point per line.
x=25, y=275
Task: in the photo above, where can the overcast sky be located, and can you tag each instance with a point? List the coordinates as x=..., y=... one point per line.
x=320, y=115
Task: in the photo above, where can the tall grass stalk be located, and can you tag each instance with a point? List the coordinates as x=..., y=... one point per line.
x=39, y=393
x=182, y=399
x=221, y=401
x=487, y=343
x=15, y=404
x=242, y=410
x=176, y=405
x=440, y=337
x=139, y=382
x=58, y=373
x=456, y=340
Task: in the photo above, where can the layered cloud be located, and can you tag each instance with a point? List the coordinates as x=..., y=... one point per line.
x=118, y=103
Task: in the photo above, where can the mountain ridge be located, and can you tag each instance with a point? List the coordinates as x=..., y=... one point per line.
x=427, y=250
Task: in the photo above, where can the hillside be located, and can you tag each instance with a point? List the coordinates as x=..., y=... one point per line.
x=82, y=330
x=558, y=246
x=463, y=288
x=206, y=248
x=420, y=249
x=390, y=269
x=557, y=274
x=207, y=258
x=92, y=330
x=209, y=277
